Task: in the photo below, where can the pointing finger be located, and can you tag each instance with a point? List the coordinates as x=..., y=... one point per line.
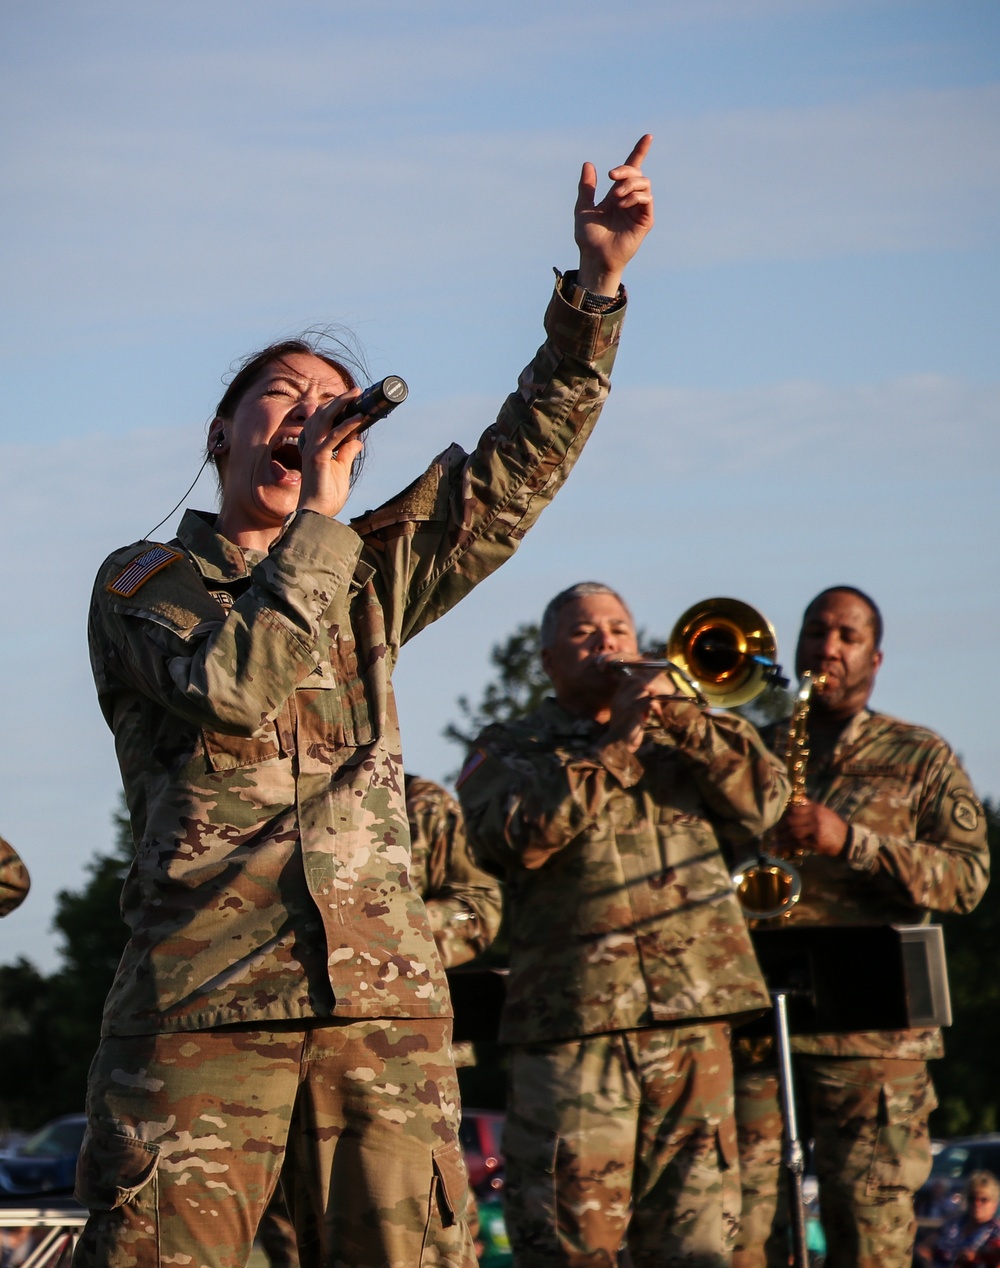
x=639, y=151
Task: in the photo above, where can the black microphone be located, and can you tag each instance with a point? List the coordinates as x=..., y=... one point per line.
x=375, y=402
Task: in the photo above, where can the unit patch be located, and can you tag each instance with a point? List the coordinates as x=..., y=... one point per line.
x=139, y=571
x=965, y=812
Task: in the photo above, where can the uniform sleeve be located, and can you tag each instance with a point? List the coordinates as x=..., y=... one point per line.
x=228, y=672
x=14, y=882
x=464, y=903
x=742, y=782
x=469, y=512
x=947, y=867
x=522, y=805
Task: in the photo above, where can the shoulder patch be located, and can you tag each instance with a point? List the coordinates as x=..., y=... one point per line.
x=965, y=812
x=135, y=574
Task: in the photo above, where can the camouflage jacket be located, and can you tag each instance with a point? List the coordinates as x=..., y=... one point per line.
x=464, y=903
x=917, y=845
x=14, y=883
x=631, y=919
x=256, y=729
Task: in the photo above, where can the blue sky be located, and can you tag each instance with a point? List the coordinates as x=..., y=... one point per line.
x=807, y=390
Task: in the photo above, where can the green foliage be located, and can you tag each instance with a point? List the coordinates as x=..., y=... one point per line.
x=49, y=1026
x=966, y=1078
x=519, y=687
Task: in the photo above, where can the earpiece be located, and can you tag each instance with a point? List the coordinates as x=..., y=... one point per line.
x=220, y=441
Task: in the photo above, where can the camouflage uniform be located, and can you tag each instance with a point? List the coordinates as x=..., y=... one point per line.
x=275, y=935
x=628, y=953
x=917, y=844
x=14, y=882
x=464, y=905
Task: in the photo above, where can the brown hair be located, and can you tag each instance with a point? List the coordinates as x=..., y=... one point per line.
x=337, y=348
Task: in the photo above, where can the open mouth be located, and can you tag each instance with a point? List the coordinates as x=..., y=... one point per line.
x=287, y=455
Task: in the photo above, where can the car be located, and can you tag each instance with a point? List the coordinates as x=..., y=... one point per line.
x=479, y=1136
x=46, y=1161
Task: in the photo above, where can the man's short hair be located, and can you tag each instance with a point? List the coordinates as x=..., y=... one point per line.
x=550, y=617
x=876, y=615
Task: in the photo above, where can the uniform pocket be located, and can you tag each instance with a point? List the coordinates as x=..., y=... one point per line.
x=902, y=1155
x=452, y=1183
x=112, y=1169
x=233, y=752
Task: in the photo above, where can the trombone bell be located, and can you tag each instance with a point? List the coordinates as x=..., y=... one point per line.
x=727, y=647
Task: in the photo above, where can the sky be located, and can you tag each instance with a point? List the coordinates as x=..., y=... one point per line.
x=807, y=391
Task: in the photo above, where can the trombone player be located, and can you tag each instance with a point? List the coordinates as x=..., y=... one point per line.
x=629, y=954
x=889, y=830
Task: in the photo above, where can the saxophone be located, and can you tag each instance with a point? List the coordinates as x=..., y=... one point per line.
x=768, y=886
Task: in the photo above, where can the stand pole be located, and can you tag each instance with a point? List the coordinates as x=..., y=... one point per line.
x=794, y=1158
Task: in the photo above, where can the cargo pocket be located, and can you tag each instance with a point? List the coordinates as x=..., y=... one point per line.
x=452, y=1183
x=113, y=1169
x=902, y=1156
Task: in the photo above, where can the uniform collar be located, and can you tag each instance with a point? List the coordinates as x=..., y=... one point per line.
x=212, y=554
x=853, y=731
x=562, y=722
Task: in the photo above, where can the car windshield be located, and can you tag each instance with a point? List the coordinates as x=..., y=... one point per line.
x=950, y=1162
x=54, y=1140
x=956, y=1161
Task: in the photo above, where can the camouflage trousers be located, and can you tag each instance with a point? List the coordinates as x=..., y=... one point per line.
x=868, y=1118
x=625, y=1137
x=189, y=1132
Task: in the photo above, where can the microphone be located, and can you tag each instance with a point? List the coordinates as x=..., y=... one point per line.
x=376, y=401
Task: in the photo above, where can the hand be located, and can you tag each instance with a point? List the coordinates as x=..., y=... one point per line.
x=806, y=825
x=639, y=697
x=328, y=454
x=609, y=234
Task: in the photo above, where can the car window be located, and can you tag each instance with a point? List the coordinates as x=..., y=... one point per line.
x=54, y=1140
x=951, y=1162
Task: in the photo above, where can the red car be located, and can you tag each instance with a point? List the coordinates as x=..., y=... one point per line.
x=480, y=1139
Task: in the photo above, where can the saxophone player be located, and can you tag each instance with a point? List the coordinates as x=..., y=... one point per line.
x=890, y=830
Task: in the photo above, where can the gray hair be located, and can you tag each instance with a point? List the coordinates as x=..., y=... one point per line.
x=582, y=589
x=983, y=1182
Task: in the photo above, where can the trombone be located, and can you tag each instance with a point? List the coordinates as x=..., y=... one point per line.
x=723, y=653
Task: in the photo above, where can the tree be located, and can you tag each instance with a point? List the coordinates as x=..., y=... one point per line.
x=965, y=1078
x=519, y=687
x=50, y=1026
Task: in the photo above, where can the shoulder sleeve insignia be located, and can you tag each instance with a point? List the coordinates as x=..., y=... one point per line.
x=965, y=812
x=471, y=766
x=139, y=571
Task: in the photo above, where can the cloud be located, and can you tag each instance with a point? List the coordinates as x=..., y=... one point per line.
x=178, y=184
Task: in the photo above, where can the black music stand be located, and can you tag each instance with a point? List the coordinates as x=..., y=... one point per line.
x=825, y=980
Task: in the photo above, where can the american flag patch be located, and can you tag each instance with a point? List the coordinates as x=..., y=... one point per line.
x=473, y=764
x=141, y=569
